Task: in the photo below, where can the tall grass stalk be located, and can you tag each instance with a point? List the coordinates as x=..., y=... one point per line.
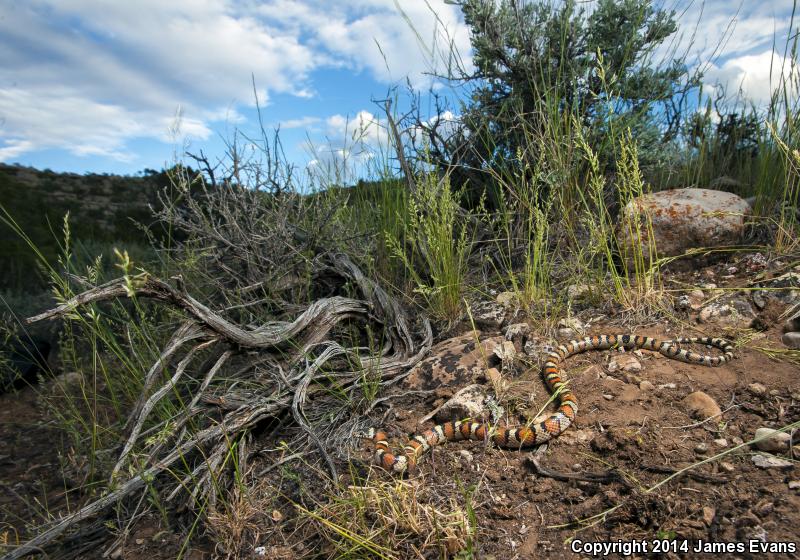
x=438, y=245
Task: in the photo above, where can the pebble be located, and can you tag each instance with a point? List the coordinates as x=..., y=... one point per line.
x=577, y=467
x=632, y=379
x=757, y=389
x=575, y=291
x=667, y=386
x=708, y=514
x=701, y=447
x=721, y=442
x=565, y=334
x=792, y=325
x=466, y=455
x=791, y=340
x=494, y=376
x=646, y=386
x=701, y=406
x=772, y=440
x=759, y=301
x=506, y=299
x=517, y=331
x=771, y=462
x=696, y=298
x=571, y=323
x=625, y=362
x=794, y=485
x=737, y=440
x=764, y=509
x=608, y=397
x=726, y=466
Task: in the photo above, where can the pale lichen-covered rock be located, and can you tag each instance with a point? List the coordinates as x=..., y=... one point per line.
x=469, y=402
x=455, y=362
x=732, y=312
x=682, y=219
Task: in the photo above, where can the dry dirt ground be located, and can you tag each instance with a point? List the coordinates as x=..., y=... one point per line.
x=628, y=435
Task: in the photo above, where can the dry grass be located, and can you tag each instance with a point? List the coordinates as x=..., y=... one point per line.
x=394, y=519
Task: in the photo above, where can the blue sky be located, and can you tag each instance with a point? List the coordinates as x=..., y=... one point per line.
x=95, y=85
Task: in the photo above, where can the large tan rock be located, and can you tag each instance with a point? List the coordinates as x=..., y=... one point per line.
x=682, y=219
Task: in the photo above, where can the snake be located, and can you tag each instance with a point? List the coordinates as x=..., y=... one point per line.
x=537, y=433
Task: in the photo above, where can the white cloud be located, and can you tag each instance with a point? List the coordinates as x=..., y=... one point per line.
x=88, y=76
x=757, y=75
x=302, y=122
x=364, y=129
x=375, y=35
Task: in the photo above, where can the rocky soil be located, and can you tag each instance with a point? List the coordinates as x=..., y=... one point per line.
x=642, y=419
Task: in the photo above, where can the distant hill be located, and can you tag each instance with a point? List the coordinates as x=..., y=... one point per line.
x=102, y=208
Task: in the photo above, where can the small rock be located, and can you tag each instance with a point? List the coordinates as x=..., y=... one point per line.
x=754, y=262
x=771, y=462
x=794, y=485
x=469, y=402
x=531, y=348
x=494, y=376
x=506, y=351
x=791, y=340
x=701, y=447
x=708, y=515
x=696, y=298
x=734, y=315
x=667, y=386
x=764, y=508
x=506, y=299
x=726, y=466
x=577, y=291
x=771, y=440
x=792, y=325
x=466, y=455
x=517, y=331
x=737, y=440
x=571, y=323
x=489, y=314
x=577, y=467
x=721, y=442
x=646, y=386
x=139, y=541
x=683, y=303
x=613, y=366
x=566, y=334
x=701, y=406
x=632, y=379
x=759, y=300
x=608, y=397
x=757, y=389
x=627, y=363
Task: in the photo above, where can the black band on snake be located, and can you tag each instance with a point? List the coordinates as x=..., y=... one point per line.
x=555, y=424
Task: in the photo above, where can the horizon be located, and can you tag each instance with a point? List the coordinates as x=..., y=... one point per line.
x=125, y=88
